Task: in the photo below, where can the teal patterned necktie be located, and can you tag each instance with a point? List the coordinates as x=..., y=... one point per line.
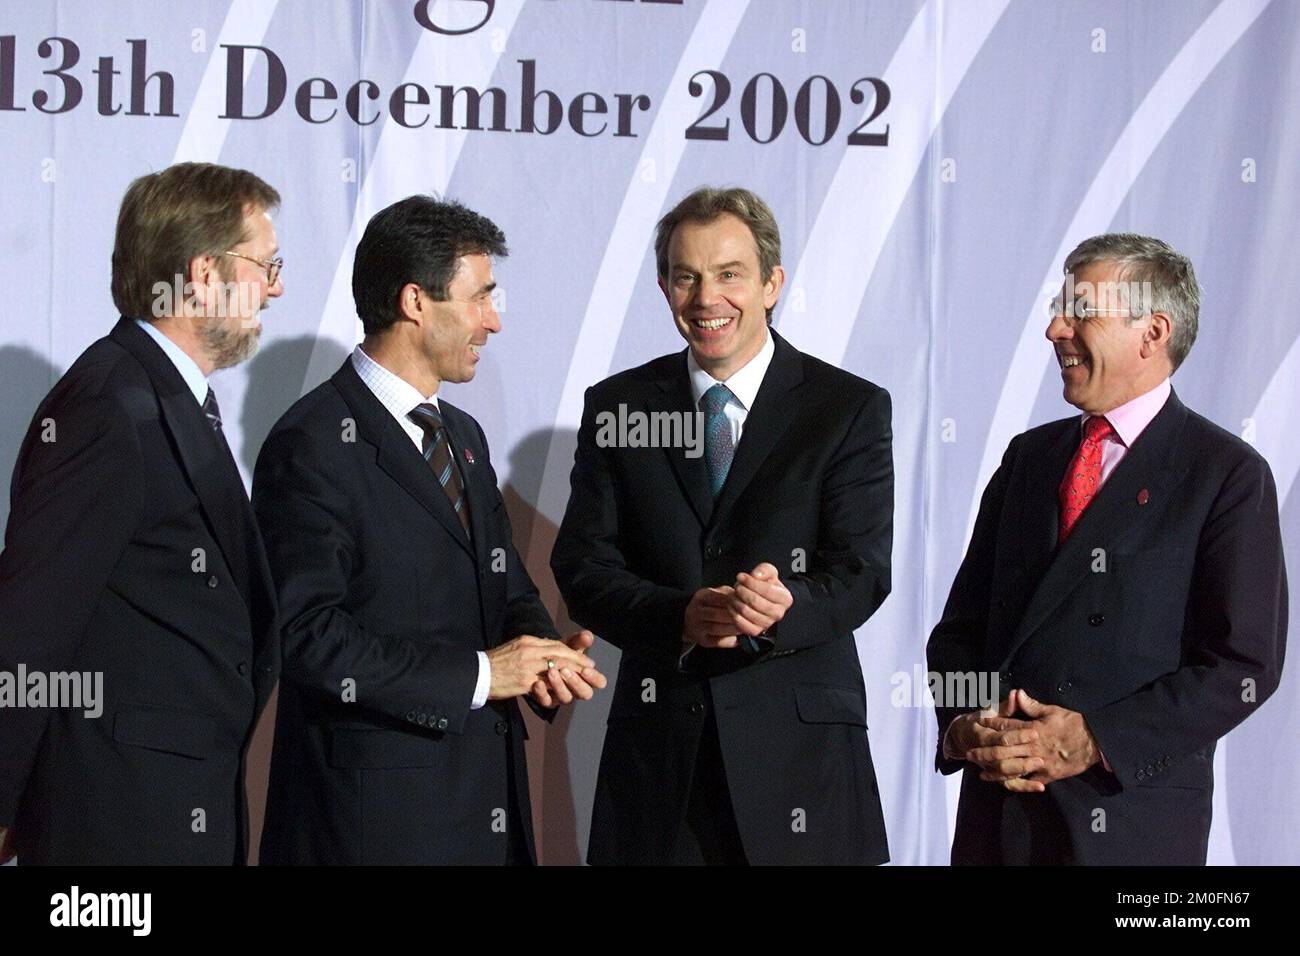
x=718, y=447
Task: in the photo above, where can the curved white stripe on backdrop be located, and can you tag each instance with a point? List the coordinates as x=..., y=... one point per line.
x=1163, y=104
x=593, y=351
x=205, y=132
x=844, y=247
x=1276, y=419
x=390, y=175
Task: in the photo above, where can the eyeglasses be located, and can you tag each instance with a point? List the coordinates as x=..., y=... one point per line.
x=1071, y=313
x=273, y=267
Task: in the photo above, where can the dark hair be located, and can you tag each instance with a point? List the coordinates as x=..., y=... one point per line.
x=415, y=240
x=169, y=217
x=708, y=203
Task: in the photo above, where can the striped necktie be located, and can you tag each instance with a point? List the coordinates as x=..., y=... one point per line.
x=212, y=410
x=437, y=452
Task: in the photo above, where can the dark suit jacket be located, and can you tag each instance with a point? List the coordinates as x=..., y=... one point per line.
x=378, y=757
x=131, y=550
x=1162, y=619
x=811, y=491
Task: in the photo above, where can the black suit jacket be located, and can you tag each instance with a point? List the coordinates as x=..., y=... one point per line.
x=811, y=491
x=378, y=757
x=131, y=551
x=1162, y=619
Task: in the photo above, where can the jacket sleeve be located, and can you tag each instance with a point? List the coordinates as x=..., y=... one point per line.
x=308, y=522
x=849, y=575
x=600, y=591
x=76, y=500
x=957, y=642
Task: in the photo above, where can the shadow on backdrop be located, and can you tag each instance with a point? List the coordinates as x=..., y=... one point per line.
x=563, y=790
x=27, y=377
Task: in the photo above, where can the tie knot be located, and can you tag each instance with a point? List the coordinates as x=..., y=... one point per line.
x=715, y=399
x=1097, y=429
x=427, y=416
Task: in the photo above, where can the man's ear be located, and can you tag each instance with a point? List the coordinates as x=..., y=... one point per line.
x=772, y=287
x=410, y=303
x=201, y=271
x=1156, y=337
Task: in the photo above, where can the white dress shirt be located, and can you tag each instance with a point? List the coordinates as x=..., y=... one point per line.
x=400, y=397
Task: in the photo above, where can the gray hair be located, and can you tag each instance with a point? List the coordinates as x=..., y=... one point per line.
x=1167, y=273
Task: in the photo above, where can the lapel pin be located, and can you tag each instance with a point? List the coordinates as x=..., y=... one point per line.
x=469, y=460
x=1144, y=496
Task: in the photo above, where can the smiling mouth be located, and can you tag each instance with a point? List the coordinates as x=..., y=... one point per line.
x=712, y=325
x=1070, y=361
x=475, y=348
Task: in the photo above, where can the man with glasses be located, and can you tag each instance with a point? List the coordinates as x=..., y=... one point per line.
x=1126, y=582
x=411, y=627
x=133, y=569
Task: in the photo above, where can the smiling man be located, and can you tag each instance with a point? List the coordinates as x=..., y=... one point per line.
x=733, y=581
x=1126, y=581
x=411, y=626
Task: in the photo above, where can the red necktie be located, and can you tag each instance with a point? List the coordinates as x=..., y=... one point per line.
x=1083, y=477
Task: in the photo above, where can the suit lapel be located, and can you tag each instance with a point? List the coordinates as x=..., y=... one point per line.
x=673, y=394
x=1040, y=506
x=396, y=454
x=765, y=423
x=204, y=456
x=1154, y=464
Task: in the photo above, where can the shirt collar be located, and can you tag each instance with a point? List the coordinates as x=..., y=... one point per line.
x=394, y=392
x=744, y=383
x=194, y=378
x=1131, y=419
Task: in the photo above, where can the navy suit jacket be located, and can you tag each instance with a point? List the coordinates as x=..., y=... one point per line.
x=132, y=552
x=378, y=757
x=811, y=491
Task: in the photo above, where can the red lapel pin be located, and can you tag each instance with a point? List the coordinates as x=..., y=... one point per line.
x=469, y=457
x=1144, y=496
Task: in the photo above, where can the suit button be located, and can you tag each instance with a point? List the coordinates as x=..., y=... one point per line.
x=422, y=720
x=1141, y=774
x=1097, y=620
x=697, y=708
x=410, y=715
x=242, y=667
x=212, y=581
x=502, y=728
x=442, y=723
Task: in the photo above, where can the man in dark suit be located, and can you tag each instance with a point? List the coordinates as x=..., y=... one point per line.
x=410, y=622
x=132, y=555
x=731, y=566
x=1125, y=581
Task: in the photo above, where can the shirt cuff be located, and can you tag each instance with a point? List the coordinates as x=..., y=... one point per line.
x=947, y=737
x=484, y=682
